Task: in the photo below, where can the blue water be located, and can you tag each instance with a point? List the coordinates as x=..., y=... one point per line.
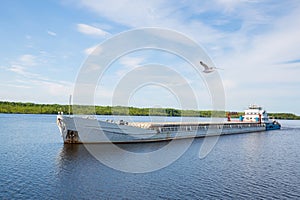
x=35, y=164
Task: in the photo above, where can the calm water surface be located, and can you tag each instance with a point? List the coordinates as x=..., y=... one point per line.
x=35, y=164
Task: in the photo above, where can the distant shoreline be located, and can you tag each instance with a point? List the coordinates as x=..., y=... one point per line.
x=33, y=108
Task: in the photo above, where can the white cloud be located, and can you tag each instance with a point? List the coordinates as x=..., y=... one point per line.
x=90, y=50
x=278, y=44
x=51, y=33
x=91, y=30
x=54, y=88
x=27, y=60
x=25, y=65
x=124, y=12
x=251, y=40
x=22, y=66
x=128, y=64
x=229, y=5
x=9, y=85
x=131, y=61
x=155, y=13
x=35, y=90
x=17, y=69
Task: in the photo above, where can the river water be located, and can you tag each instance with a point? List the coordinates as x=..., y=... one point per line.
x=35, y=164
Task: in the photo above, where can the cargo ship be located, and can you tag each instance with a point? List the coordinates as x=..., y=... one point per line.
x=87, y=129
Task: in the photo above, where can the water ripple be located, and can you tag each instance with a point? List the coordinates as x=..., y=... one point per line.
x=35, y=165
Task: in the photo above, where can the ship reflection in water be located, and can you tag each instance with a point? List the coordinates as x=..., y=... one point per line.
x=134, y=157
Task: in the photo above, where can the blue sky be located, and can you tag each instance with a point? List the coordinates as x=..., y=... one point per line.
x=256, y=43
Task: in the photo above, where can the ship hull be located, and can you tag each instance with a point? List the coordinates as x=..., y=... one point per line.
x=272, y=126
x=86, y=130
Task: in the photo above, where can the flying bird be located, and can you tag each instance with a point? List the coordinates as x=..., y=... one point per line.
x=207, y=69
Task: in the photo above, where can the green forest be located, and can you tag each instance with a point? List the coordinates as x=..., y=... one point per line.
x=32, y=108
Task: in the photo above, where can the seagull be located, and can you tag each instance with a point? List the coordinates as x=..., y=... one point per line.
x=207, y=69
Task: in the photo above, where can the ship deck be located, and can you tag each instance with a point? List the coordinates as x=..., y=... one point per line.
x=152, y=125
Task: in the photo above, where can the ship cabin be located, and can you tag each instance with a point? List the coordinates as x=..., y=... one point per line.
x=255, y=113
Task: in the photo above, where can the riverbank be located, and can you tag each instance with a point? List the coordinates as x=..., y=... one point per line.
x=32, y=108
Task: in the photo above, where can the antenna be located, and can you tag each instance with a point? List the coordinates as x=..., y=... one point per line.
x=70, y=99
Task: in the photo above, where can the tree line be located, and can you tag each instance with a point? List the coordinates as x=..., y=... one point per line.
x=32, y=108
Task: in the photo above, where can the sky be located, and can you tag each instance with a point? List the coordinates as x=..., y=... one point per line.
x=255, y=44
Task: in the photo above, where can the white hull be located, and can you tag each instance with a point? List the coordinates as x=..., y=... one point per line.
x=85, y=130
